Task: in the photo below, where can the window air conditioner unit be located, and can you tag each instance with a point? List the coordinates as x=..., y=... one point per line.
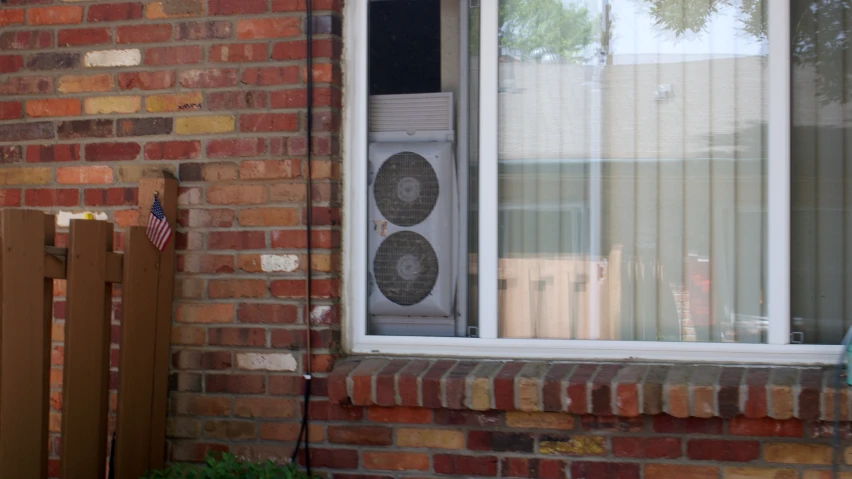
x=413, y=216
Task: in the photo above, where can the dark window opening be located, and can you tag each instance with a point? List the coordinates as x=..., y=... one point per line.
x=405, y=47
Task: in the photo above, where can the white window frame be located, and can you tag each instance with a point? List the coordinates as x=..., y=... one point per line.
x=488, y=345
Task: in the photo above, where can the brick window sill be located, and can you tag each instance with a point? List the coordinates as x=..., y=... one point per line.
x=603, y=389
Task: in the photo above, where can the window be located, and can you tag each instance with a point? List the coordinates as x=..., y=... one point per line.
x=651, y=178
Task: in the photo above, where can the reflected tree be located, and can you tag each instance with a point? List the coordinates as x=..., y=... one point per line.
x=820, y=32
x=534, y=28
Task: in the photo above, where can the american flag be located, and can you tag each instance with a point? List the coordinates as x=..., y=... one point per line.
x=158, y=230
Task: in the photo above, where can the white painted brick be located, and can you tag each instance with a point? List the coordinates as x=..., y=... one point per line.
x=113, y=58
x=320, y=314
x=266, y=362
x=63, y=218
x=279, y=262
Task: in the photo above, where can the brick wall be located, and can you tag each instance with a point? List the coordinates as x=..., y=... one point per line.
x=96, y=94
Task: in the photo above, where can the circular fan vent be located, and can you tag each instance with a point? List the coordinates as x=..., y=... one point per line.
x=406, y=189
x=406, y=268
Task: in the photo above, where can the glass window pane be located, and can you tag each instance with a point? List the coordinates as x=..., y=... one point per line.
x=632, y=166
x=821, y=171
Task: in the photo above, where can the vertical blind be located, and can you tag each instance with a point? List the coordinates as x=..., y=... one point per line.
x=632, y=165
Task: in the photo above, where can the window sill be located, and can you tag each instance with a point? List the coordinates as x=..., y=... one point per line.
x=598, y=388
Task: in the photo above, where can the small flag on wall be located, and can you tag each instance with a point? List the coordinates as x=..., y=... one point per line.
x=158, y=230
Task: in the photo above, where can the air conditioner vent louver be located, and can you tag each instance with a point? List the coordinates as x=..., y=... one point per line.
x=406, y=189
x=406, y=268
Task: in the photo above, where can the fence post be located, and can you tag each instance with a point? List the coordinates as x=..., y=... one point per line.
x=166, y=188
x=87, y=339
x=136, y=355
x=26, y=310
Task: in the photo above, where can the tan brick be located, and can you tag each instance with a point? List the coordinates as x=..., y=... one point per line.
x=189, y=288
x=228, y=429
x=326, y=263
x=236, y=194
x=528, y=399
x=183, y=428
x=81, y=84
x=758, y=473
x=191, y=335
x=269, y=217
x=173, y=9
x=112, y=104
x=826, y=475
x=81, y=175
x=672, y=471
x=539, y=420
x=25, y=176
x=431, y=438
x=266, y=407
x=287, y=192
x=204, y=313
x=132, y=173
x=204, y=124
x=480, y=394
x=573, y=445
x=177, y=102
x=269, y=169
x=219, y=172
x=791, y=453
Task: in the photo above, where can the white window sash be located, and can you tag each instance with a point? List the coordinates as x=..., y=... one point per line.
x=357, y=341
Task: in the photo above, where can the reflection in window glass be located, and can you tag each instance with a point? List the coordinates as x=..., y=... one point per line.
x=632, y=167
x=821, y=170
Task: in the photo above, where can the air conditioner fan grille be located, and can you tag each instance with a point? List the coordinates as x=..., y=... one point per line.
x=405, y=268
x=406, y=189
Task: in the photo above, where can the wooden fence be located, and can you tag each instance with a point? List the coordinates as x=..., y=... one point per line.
x=29, y=263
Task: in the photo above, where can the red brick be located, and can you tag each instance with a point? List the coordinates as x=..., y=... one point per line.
x=321, y=288
x=299, y=5
x=113, y=12
x=11, y=63
x=500, y=441
x=196, y=452
x=331, y=458
x=767, y=427
x=158, y=80
x=10, y=197
x=647, y=447
x=112, y=151
x=33, y=40
x=665, y=424
x=173, y=55
x=721, y=450
x=600, y=470
x=399, y=415
x=298, y=49
x=210, y=78
x=236, y=240
x=238, y=7
x=173, y=150
x=10, y=110
x=54, y=15
x=236, y=337
x=504, y=386
x=52, y=197
x=288, y=339
x=236, y=288
x=235, y=383
x=296, y=239
x=465, y=465
x=53, y=107
x=360, y=435
x=267, y=313
x=11, y=17
x=276, y=27
x=612, y=423
x=25, y=85
x=204, y=30
x=268, y=122
x=238, y=52
x=264, y=76
x=756, y=379
x=236, y=194
x=110, y=197
x=236, y=100
x=83, y=36
x=236, y=147
x=143, y=33
x=538, y=468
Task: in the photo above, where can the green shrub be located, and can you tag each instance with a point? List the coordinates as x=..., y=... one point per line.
x=228, y=466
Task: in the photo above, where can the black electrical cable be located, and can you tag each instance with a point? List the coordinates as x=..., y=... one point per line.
x=309, y=123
